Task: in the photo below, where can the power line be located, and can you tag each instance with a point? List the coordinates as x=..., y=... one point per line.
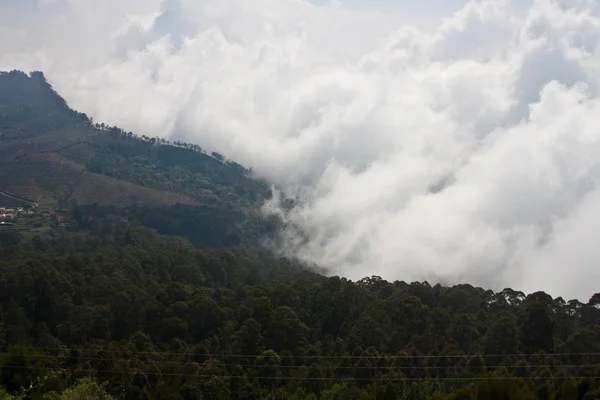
x=314, y=378
x=380, y=356
x=424, y=367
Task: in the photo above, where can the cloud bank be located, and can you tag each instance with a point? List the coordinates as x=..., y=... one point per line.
x=466, y=152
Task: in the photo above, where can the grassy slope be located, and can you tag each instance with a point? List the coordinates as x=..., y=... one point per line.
x=49, y=177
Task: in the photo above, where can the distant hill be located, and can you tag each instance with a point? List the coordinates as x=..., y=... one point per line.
x=58, y=157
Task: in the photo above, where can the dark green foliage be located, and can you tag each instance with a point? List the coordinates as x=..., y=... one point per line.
x=182, y=170
x=158, y=318
x=203, y=226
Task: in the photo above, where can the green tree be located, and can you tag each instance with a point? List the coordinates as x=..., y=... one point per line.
x=537, y=330
x=503, y=336
x=85, y=388
x=20, y=367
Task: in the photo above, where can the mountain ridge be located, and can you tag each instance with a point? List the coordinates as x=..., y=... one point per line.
x=27, y=101
x=59, y=158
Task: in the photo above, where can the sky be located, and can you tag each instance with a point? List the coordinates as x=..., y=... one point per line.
x=423, y=12
x=447, y=141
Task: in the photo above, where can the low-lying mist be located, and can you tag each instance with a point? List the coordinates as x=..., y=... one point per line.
x=468, y=152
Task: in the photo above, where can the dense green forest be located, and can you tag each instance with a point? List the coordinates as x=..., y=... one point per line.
x=156, y=317
x=116, y=298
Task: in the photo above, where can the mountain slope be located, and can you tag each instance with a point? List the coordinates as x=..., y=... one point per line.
x=35, y=120
x=57, y=157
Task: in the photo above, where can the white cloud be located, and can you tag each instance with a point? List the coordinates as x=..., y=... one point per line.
x=469, y=152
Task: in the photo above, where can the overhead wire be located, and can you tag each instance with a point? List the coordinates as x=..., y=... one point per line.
x=379, y=356
x=315, y=378
x=220, y=364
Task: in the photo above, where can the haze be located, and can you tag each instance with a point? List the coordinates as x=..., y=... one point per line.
x=459, y=145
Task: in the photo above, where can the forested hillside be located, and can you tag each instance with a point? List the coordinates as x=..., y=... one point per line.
x=60, y=158
x=162, y=290
x=157, y=318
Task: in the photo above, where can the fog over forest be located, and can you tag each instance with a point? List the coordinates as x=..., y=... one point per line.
x=463, y=147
